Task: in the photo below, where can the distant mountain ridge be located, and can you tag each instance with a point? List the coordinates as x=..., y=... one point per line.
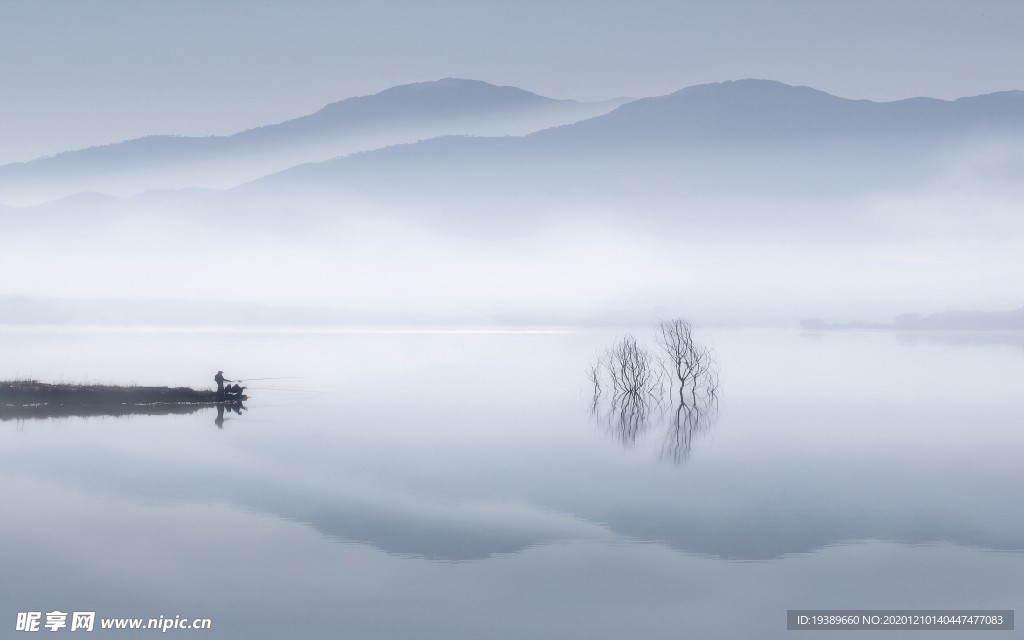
x=437, y=100
x=752, y=110
x=746, y=131
x=441, y=99
x=419, y=110
x=755, y=135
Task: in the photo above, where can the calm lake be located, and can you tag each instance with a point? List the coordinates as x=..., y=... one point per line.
x=453, y=484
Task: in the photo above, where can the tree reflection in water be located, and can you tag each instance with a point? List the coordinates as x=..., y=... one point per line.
x=636, y=389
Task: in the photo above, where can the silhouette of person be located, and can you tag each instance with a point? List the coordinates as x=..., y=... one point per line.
x=220, y=380
x=220, y=417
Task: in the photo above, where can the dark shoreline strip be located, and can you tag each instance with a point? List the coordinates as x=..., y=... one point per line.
x=23, y=399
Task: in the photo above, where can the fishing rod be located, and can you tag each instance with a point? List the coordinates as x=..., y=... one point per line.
x=280, y=389
x=284, y=378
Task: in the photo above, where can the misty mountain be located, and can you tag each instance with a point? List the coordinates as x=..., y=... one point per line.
x=748, y=136
x=749, y=159
x=398, y=115
x=945, y=321
x=752, y=111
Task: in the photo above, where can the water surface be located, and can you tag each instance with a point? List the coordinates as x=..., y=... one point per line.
x=452, y=484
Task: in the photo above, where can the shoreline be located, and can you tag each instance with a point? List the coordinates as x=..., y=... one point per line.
x=21, y=399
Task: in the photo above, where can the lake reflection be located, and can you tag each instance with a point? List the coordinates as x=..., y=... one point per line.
x=10, y=413
x=451, y=486
x=678, y=419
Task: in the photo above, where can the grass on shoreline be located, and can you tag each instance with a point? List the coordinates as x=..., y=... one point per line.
x=24, y=391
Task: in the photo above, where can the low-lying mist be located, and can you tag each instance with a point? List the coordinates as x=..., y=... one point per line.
x=748, y=203
x=757, y=263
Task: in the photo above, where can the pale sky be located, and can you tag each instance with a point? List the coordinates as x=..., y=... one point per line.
x=80, y=72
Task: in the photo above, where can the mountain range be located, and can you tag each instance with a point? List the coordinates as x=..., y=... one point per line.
x=405, y=113
x=748, y=137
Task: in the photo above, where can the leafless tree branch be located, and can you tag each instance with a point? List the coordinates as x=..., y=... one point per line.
x=630, y=386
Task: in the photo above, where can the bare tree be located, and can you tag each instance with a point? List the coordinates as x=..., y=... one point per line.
x=692, y=365
x=694, y=371
x=632, y=378
x=630, y=384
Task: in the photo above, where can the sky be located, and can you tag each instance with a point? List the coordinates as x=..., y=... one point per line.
x=77, y=73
